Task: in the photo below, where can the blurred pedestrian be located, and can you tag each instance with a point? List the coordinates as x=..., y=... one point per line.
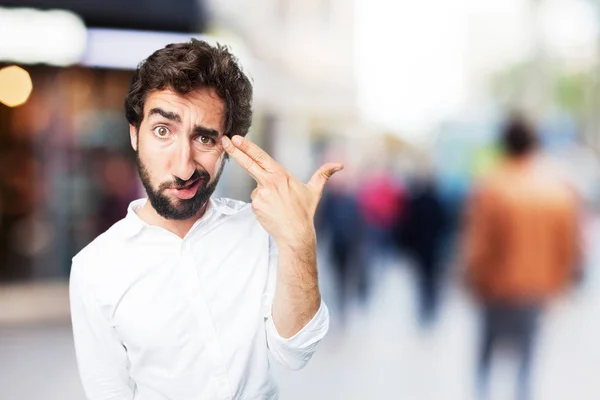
x=340, y=220
x=521, y=245
x=421, y=235
x=381, y=200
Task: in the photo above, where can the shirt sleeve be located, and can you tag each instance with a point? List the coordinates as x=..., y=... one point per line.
x=294, y=352
x=101, y=357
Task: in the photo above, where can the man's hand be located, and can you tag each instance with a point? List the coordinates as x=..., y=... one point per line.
x=284, y=206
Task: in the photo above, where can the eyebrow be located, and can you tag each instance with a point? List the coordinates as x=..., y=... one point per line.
x=198, y=129
x=165, y=114
x=202, y=130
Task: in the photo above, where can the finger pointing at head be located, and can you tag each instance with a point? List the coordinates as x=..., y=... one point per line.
x=244, y=160
x=257, y=154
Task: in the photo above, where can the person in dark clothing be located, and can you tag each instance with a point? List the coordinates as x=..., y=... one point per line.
x=340, y=220
x=421, y=236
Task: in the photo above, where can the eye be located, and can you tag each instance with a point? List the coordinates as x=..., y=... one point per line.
x=161, y=131
x=205, y=139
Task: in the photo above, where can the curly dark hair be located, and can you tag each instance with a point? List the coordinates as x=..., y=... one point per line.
x=183, y=67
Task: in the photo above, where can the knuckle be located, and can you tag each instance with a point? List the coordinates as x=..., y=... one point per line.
x=326, y=174
x=259, y=156
x=248, y=165
x=270, y=183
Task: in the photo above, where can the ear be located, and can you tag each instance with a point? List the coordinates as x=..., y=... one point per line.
x=133, y=136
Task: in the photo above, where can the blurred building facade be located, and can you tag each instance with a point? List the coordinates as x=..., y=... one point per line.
x=303, y=70
x=67, y=170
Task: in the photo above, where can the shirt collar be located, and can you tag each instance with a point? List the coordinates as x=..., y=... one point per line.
x=132, y=224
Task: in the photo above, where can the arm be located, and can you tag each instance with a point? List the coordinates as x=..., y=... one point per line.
x=477, y=239
x=569, y=244
x=297, y=297
x=101, y=358
x=286, y=209
x=294, y=351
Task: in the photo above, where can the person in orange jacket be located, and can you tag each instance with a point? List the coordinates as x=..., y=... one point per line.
x=521, y=247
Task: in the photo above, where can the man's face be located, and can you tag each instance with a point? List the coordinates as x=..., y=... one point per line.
x=179, y=153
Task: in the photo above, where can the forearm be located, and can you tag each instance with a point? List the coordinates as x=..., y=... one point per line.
x=297, y=297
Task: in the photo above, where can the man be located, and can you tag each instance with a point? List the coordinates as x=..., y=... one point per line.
x=341, y=221
x=183, y=297
x=421, y=234
x=521, y=248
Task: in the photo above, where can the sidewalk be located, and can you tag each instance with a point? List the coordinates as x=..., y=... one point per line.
x=34, y=303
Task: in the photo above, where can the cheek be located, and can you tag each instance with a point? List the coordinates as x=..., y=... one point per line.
x=211, y=161
x=155, y=162
x=220, y=159
x=212, y=165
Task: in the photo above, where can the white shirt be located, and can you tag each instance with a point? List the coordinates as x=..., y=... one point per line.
x=157, y=317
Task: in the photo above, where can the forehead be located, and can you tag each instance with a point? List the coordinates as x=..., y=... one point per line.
x=201, y=106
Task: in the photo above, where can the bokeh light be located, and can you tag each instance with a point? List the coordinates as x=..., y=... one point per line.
x=29, y=36
x=15, y=86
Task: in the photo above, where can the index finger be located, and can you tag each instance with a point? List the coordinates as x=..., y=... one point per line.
x=257, y=154
x=244, y=160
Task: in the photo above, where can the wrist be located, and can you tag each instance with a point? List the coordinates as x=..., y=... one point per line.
x=301, y=241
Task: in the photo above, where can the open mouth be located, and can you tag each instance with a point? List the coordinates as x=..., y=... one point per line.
x=188, y=191
x=189, y=185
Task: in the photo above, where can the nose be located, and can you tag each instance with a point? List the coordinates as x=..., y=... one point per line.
x=183, y=165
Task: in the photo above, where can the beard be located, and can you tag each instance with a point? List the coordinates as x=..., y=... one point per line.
x=179, y=209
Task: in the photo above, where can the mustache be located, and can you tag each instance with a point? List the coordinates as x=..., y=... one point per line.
x=179, y=183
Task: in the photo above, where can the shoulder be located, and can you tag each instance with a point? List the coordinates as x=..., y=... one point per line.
x=484, y=184
x=89, y=261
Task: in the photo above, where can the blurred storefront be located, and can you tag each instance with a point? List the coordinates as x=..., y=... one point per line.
x=162, y=15
x=66, y=169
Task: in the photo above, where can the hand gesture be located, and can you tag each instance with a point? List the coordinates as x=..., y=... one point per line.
x=283, y=205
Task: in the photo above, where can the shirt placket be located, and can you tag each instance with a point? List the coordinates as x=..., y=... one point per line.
x=205, y=323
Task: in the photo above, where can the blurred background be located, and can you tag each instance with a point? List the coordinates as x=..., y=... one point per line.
x=411, y=95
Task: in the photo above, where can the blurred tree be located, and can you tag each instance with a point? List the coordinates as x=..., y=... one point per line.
x=573, y=92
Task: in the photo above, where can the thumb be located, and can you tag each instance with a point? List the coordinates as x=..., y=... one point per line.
x=322, y=175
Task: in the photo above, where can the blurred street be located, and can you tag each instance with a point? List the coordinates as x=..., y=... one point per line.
x=469, y=199
x=382, y=352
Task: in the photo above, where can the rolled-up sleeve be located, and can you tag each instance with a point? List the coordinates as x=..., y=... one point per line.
x=101, y=357
x=294, y=352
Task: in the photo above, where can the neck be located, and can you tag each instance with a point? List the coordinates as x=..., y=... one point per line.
x=180, y=228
